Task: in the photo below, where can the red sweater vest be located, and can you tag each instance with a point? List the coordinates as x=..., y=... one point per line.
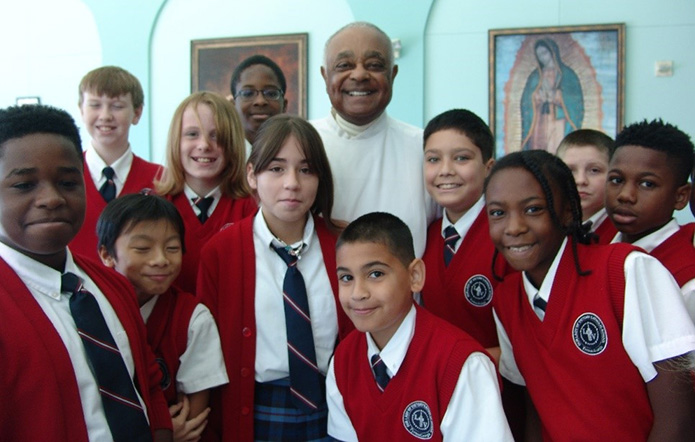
x=39, y=391
x=462, y=292
x=677, y=254
x=141, y=175
x=228, y=211
x=414, y=403
x=167, y=334
x=227, y=285
x=581, y=380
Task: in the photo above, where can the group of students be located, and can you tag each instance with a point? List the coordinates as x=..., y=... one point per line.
x=219, y=252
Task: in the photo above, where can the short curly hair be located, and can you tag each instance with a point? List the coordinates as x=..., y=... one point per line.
x=20, y=121
x=662, y=137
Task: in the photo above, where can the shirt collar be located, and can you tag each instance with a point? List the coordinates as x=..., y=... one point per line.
x=654, y=239
x=35, y=275
x=547, y=284
x=395, y=350
x=598, y=218
x=266, y=236
x=121, y=166
x=464, y=223
x=353, y=130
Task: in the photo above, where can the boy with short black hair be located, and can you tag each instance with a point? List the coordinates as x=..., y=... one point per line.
x=458, y=156
x=647, y=181
x=70, y=328
x=141, y=237
x=258, y=89
x=110, y=100
x=587, y=153
x=404, y=372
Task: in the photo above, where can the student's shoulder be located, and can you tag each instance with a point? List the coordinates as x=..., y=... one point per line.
x=143, y=164
x=230, y=233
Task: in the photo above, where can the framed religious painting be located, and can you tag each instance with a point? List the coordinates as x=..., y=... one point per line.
x=547, y=82
x=214, y=60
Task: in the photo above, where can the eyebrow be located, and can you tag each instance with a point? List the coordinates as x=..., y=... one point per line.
x=24, y=171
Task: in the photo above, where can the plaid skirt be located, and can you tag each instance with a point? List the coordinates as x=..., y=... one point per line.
x=275, y=418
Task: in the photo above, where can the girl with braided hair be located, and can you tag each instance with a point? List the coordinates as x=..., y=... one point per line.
x=598, y=334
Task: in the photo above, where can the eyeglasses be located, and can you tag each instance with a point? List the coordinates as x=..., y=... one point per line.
x=250, y=94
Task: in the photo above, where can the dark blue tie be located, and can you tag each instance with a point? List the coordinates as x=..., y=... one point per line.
x=124, y=414
x=306, y=381
x=379, y=369
x=450, y=238
x=108, y=189
x=203, y=204
x=540, y=303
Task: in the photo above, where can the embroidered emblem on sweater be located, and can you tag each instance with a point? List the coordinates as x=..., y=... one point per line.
x=166, y=378
x=589, y=334
x=478, y=290
x=417, y=419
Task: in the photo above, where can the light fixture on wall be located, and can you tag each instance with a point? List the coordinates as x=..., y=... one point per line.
x=396, y=44
x=20, y=101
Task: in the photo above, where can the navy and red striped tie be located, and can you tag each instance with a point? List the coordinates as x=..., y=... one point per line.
x=124, y=414
x=380, y=374
x=451, y=236
x=306, y=382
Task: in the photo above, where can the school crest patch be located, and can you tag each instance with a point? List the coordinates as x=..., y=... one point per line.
x=478, y=290
x=417, y=419
x=166, y=378
x=589, y=334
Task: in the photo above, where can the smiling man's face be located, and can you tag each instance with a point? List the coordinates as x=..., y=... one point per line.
x=359, y=74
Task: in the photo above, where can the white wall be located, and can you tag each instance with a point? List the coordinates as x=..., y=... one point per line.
x=47, y=46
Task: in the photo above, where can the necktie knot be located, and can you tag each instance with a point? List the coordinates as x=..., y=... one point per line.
x=380, y=374
x=108, y=189
x=289, y=255
x=203, y=204
x=71, y=283
x=539, y=303
x=451, y=237
x=108, y=172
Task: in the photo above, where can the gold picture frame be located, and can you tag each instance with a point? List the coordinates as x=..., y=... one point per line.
x=581, y=85
x=214, y=60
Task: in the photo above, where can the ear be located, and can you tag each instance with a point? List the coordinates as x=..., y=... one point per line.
x=324, y=75
x=138, y=114
x=683, y=196
x=251, y=177
x=284, y=106
x=488, y=166
x=394, y=72
x=416, y=270
x=106, y=258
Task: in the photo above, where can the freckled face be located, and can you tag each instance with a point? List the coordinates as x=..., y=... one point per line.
x=202, y=157
x=520, y=224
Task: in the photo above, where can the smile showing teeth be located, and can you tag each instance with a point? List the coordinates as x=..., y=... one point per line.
x=519, y=249
x=448, y=186
x=204, y=160
x=358, y=93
